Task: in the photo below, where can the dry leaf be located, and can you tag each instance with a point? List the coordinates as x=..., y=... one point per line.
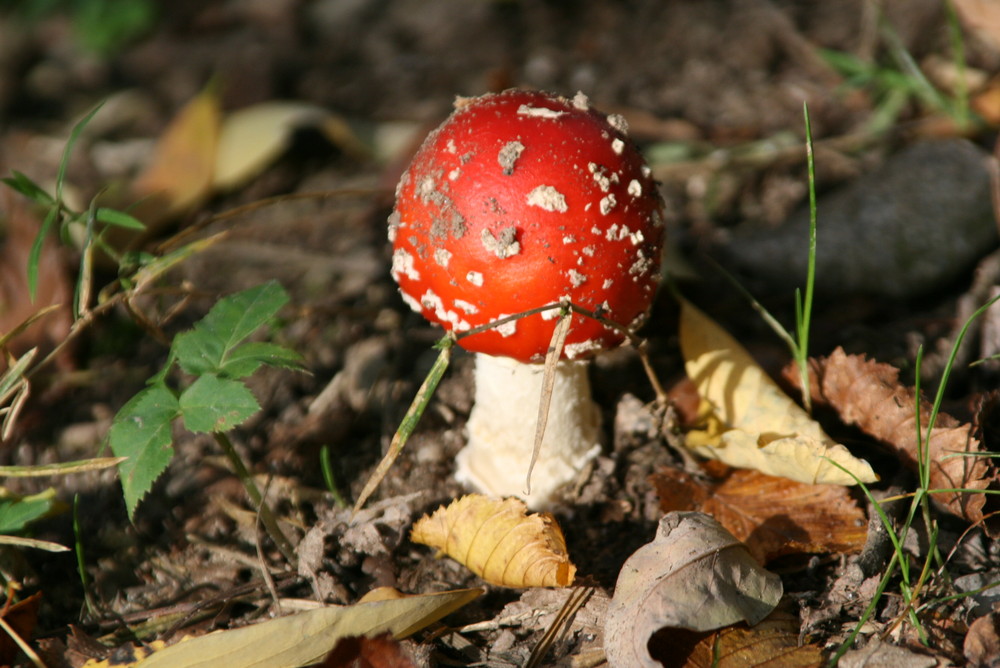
x=773, y=516
x=499, y=541
x=693, y=575
x=982, y=642
x=306, y=637
x=758, y=426
x=381, y=651
x=773, y=643
x=21, y=226
x=20, y=618
x=180, y=174
x=251, y=138
x=867, y=393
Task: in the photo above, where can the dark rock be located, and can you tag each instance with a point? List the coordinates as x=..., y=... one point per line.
x=908, y=228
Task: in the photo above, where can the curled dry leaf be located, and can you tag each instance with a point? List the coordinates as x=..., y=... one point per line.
x=694, y=575
x=773, y=516
x=773, y=643
x=499, y=541
x=868, y=394
x=753, y=424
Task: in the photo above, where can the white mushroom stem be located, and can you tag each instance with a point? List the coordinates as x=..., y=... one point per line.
x=501, y=430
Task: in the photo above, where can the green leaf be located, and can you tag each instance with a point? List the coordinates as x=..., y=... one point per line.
x=34, y=256
x=16, y=512
x=238, y=316
x=142, y=432
x=214, y=404
x=119, y=219
x=24, y=185
x=198, y=351
x=231, y=320
x=246, y=359
x=74, y=135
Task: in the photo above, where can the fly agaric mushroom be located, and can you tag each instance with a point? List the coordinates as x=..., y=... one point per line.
x=519, y=200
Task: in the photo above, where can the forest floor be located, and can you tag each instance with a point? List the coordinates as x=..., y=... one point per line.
x=904, y=103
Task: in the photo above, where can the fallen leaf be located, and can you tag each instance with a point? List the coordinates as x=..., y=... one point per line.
x=753, y=424
x=54, y=295
x=868, y=394
x=20, y=618
x=253, y=137
x=381, y=651
x=981, y=17
x=694, y=575
x=982, y=642
x=179, y=175
x=773, y=516
x=306, y=637
x=499, y=541
x=773, y=643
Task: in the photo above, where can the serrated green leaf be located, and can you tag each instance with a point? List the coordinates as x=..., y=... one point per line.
x=237, y=316
x=214, y=404
x=246, y=359
x=24, y=185
x=141, y=431
x=198, y=351
x=216, y=336
x=119, y=219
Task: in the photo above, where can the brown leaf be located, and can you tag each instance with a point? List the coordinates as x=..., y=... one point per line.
x=695, y=575
x=498, y=541
x=868, y=394
x=21, y=618
x=773, y=643
x=16, y=306
x=381, y=651
x=982, y=642
x=773, y=516
x=180, y=173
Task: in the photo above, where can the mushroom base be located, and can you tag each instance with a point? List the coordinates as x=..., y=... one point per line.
x=501, y=430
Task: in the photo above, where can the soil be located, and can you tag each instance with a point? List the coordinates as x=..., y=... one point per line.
x=713, y=92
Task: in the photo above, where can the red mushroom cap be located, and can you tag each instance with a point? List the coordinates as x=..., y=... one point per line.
x=518, y=200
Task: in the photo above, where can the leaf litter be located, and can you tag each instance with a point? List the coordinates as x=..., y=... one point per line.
x=868, y=394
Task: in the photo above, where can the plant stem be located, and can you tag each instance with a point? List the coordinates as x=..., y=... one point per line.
x=803, y=305
x=266, y=516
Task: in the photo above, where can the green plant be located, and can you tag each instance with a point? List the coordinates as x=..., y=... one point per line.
x=896, y=84
x=913, y=583
x=103, y=27
x=217, y=356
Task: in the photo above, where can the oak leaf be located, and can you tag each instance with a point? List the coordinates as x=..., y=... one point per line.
x=499, y=541
x=752, y=423
x=773, y=516
x=693, y=575
x=868, y=394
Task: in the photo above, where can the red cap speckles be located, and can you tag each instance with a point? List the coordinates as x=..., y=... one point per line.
x=518, y=200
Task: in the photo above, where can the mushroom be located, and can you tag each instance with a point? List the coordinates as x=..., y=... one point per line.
x=520, y=200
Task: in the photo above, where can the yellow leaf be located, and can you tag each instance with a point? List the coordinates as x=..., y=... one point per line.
x=306, y=637
x=498, y=541
x=251, y=138
x=762, y=428
x=183, y=161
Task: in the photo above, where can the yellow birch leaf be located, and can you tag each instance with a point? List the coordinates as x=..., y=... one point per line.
x=498, y=541
x=762, y=428
x=305, y=638
x=183, y=162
